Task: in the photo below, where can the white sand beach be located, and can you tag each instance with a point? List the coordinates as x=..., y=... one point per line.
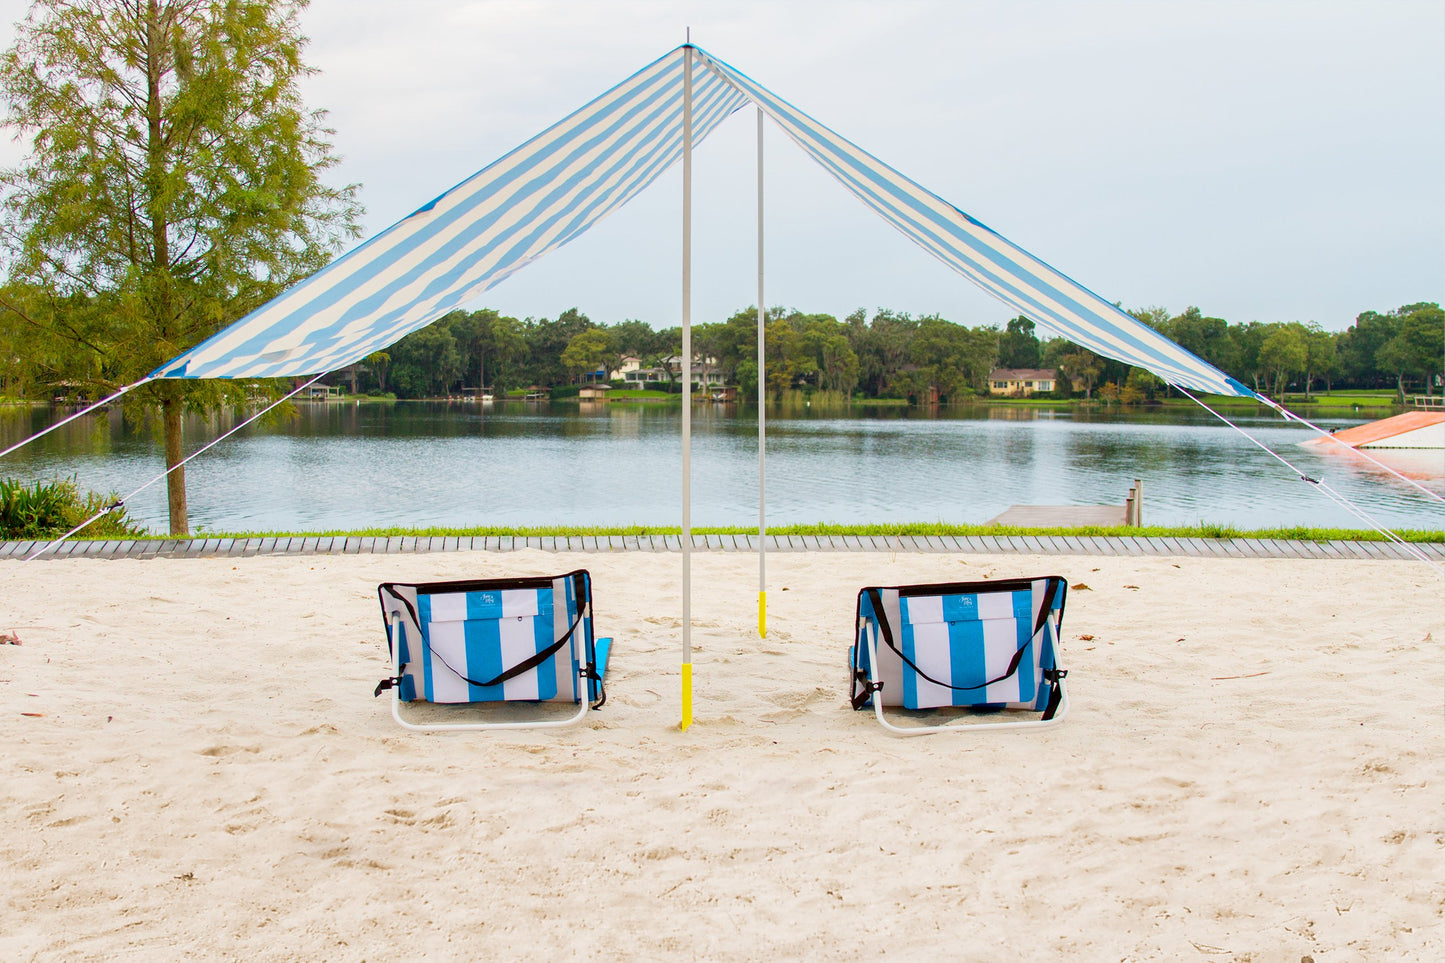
x=1254, y=769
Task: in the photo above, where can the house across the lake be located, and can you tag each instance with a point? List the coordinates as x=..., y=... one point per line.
x=637, y=375
x=594, y=392
x=705, y=373
x=1021, y=382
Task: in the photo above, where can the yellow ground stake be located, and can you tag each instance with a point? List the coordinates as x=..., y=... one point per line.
x=762, y=615
x=686, y=696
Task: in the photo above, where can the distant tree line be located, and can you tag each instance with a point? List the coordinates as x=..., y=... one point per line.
x=890, y=355
x=893, y=355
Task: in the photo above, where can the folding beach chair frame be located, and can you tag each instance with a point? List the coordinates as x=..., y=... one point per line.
x=1054, y=712
x=578, y=640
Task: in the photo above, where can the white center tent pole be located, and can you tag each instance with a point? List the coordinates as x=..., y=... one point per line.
x=762, y=413
x=686, y=388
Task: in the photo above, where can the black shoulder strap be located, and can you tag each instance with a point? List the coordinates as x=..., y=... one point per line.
x=1053, y=586
x=388, y=590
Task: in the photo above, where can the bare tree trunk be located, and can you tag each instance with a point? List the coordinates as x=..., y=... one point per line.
x=176, y=480
x=170, y=393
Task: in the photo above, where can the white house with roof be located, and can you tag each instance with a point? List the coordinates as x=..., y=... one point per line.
x=1021, y=381
x=637, y=375
x=705, y=374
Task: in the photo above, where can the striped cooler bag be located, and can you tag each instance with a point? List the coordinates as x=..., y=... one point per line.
x=980, y=645
x=494, y=640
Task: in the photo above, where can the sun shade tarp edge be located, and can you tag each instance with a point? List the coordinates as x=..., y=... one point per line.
x=558, y=184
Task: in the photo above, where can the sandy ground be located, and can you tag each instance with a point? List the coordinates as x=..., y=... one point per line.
x=1254, y=769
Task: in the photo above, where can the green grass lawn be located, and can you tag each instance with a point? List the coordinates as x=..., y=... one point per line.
x=1301, y=533
x=1373, y=400
x=1380, y=401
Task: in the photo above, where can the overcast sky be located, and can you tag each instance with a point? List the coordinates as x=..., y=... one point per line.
x=1270, y=161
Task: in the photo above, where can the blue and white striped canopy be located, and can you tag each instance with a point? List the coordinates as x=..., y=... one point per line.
x=564, y=180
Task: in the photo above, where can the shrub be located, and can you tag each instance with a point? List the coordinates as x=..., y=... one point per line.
x=49, y=510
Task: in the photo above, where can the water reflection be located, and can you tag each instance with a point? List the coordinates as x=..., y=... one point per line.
x=354, y=465
x=1421, y=465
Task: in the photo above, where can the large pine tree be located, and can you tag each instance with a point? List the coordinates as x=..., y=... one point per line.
x=173, y=183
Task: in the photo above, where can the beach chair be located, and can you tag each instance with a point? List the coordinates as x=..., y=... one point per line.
x=986, y=647
x=496, y=640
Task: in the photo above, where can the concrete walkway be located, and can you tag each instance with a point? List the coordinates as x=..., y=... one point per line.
x=968, y=545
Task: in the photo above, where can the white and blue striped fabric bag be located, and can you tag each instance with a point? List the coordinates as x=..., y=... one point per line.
x=978, y=644
x=498, y=640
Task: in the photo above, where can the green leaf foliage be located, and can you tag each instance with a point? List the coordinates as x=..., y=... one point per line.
x=172, y=183
x=48, y=510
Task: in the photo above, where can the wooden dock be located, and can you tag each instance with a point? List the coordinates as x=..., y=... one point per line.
x=1062, y=516
x=1068, y=516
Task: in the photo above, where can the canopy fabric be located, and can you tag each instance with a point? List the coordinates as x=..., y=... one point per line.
x=471, y=238
x=989, y=260
x=555, y=186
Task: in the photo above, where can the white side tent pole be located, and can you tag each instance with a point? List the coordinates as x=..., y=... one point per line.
x=686, y=388
x=762, y=413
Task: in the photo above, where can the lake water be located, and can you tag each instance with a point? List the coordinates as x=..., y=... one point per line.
x=347, y=466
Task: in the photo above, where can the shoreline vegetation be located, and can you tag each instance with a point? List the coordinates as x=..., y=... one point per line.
x=1378, y=399
x=1352, y=400
x=1220, y=532
x=1351, y=404
x=1366, y=404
